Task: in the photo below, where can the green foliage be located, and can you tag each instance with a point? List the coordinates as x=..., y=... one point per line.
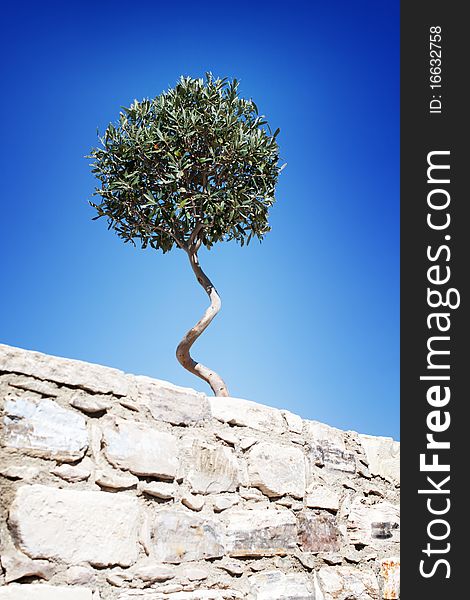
x=197, y=163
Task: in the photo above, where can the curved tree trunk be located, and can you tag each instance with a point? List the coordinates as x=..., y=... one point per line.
x=182, y=352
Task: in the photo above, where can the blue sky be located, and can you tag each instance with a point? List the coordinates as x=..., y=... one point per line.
x=310, y=317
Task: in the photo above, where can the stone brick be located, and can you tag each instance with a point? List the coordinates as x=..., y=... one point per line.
x=390, y=573
x=43, y=428
x=341, y=583
x=277, y=470
x=140, y=448
x=236, y=411
x=171, y=403
x=320, y=496
x=75, y=526
x=374, y=524
x=260, y=532
x=74, y=473
x=90, y=403
x=36, y=591
x=383, y=456
x=275, y=585
x=158, y=489
x=183, y=595
x=294, y=422
x=180, y=536
x=212, y=469
x=328, y=447
x=18, y=565
x=318, y=532
x=74, y=373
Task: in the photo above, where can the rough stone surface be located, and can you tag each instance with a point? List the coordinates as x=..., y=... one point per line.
x=19, y=472
x=328, y=447
x=90, y=404
x=213, y=469
x=74, y=373
x=373, y=525
x=342, y=583
x=79, y=575
x=236, y=411
x=151, y=572
x=115, y=481
x=44, y=592
x=294, y=422
x=193, y=502
x=45, y=388
x=172, y=404
x=277, y=470
x=71, y=473
x=260, y=532
x=223, y=502
x=75, y=526
x=18, y=565
x=44, y=428
x=140, y=449
x=201, y=594
x=383, y=456
x=390, y=573
x=320, y=496
x=158, y=489
x=318, y=532
x=131, y=488
x=275, y=585
x=183, y=536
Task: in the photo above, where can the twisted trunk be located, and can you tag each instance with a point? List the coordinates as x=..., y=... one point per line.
x=182, y=352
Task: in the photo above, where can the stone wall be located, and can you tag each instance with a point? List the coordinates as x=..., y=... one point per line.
x=122, y=487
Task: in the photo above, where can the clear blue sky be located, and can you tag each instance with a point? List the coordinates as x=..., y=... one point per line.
x=310, y=317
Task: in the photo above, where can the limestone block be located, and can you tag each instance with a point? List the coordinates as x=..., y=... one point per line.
x=193, y=573
x=318, y=532
x=184, y=536
x=36, y=591
x=19, y=472
x=114, y=480
x=390, y=573
x=74, y=373
x=158, y=489
x=151, y=572
x=260, y=532
x=339, y=583
x=45, y=388
x=18, y=565
x=328, y=447
x=75, y=526
x=80, y=575
x=320, y=496
x=212, y=469
x=171, y=403
x=373, y=525
x=88, y=403
x=224, y=502
x=277, y=470
x=74, y=473
x=246, y=413
x=140, y=449
x=43, y=428
x=294, y=422
x=275, y=585
x=193, y=502
x=227, y=594
x=383, y=456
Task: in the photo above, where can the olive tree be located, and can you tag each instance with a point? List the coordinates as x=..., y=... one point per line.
x=194, y=166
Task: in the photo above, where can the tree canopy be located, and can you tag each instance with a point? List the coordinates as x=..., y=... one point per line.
x=196, y=162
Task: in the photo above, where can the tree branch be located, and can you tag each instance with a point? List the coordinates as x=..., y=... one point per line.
x=182, y=352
